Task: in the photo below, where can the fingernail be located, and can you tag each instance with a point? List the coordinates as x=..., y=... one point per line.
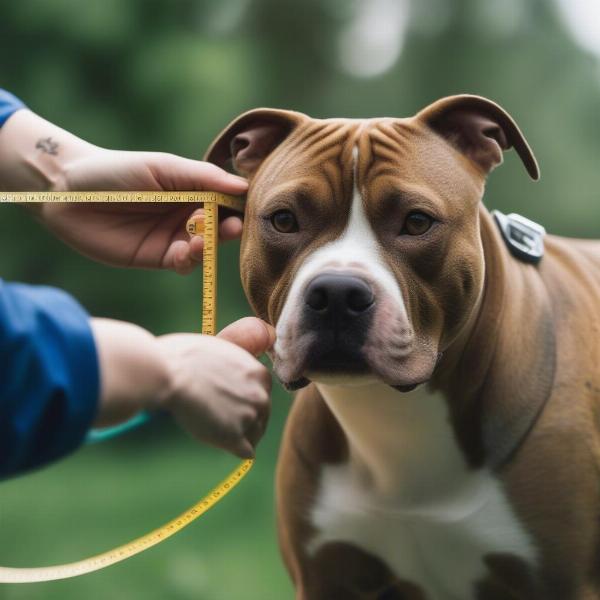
x=238, y=179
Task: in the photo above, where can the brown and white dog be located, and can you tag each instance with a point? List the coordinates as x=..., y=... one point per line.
x=446, y=446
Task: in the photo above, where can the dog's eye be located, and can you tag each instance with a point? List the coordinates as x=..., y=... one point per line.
x=417, y=223
x=284, y=221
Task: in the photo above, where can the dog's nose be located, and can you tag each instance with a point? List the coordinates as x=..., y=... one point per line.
x=339, y=294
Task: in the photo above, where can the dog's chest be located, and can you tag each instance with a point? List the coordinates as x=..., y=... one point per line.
x=407, y=497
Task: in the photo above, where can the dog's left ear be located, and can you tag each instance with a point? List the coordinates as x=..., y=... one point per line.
x=247, y=141
x=480, y=129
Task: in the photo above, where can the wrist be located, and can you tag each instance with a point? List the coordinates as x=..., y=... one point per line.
x=134, y=373
x=35, y=154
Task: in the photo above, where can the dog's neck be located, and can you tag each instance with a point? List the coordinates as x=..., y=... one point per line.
x=498, y=375
x=471, y=414
x=402, y=446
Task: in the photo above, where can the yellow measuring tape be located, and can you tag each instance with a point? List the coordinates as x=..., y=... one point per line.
x=208, y=227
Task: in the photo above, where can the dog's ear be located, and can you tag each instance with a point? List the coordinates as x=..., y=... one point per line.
x=480, y=129
x=245, y=143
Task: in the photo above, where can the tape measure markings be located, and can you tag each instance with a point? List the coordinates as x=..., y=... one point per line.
x=206, y=226
x=224, y=200
x=120, y=553
x=209, y=272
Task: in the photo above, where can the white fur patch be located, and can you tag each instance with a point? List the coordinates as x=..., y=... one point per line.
x=356, y=250
x=407, y=496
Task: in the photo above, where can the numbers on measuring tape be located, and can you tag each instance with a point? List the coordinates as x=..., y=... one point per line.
x=205, y=198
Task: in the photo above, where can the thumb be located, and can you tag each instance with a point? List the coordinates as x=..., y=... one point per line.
x=178, y=173
x=251, y=334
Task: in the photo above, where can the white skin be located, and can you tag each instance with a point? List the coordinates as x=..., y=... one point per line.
x=214, y=387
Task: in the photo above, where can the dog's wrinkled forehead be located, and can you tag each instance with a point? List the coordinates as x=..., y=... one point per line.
x=323, y=162
x=315, y=162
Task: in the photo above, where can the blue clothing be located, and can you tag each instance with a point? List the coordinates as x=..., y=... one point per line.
x=8, y=105
x=49, y=375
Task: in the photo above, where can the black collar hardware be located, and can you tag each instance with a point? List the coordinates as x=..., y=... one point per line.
x=524, y=238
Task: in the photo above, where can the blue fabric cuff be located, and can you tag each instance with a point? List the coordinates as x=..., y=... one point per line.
x=9, y=104
x=49, y=376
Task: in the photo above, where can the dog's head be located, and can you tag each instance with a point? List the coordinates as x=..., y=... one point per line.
x=361, y=240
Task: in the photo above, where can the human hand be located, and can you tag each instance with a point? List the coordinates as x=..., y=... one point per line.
x=36, y=155
x=212, y=386
x=149, y=235
x=221, y=393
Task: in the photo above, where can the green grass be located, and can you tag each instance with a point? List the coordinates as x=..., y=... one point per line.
x=107, y=494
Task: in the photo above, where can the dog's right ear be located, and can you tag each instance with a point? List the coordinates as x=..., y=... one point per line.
x=245, y=143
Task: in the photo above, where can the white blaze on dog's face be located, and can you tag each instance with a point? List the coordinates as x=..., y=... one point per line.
x=343, y=290
x=361, y=238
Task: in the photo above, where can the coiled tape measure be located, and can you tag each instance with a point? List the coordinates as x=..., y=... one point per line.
x=207, y=226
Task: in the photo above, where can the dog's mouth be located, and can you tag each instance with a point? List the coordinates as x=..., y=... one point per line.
x=330, y=365
x=401, y=367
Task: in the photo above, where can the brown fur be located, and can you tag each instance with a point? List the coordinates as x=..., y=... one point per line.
x=520, y=344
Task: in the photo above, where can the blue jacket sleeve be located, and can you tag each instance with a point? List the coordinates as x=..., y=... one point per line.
x=8, y=105
x=49, y=376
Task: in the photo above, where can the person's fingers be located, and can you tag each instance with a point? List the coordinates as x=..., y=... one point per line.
x=183, y=263
x=168, y=260
x=196, y=245
x=207, y=176
x=230, y=228
x=244, y=449
x=255, y=431
x=258, y=426
x=178, y=173
x=178, y=258
x=251, y=334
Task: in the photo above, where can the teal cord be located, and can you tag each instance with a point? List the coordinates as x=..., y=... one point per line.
x=109, y=433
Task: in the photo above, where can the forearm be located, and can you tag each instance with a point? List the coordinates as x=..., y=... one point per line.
x=34, y=153
x=134, y=375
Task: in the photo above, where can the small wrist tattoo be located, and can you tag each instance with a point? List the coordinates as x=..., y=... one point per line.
x=47, y=145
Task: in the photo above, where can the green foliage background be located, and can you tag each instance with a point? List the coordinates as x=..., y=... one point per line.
x=168, y=75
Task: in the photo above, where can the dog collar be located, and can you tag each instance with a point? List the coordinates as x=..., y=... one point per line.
x=524, y=238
